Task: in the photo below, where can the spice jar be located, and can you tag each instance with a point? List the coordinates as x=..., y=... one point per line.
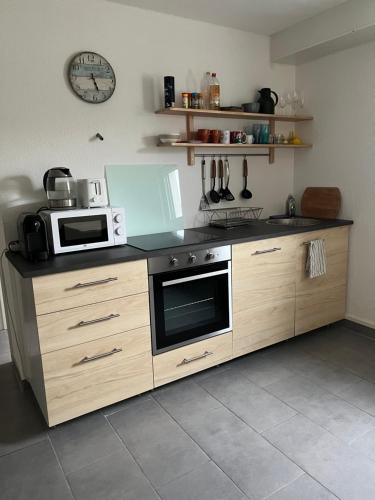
x=185, y=99
x=195, y=100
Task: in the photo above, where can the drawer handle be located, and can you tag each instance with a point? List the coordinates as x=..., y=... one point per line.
x=92, y=283
x=98, y=320
x=186, y=361
x=87, y=359
x=270, y=250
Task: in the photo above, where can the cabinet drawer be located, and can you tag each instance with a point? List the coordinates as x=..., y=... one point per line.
x=82, y=324
x=86, y=377
x=193, y=358
x=336, y=246
x=57, y=292
x=263, y=270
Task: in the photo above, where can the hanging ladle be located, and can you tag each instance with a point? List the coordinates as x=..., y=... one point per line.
x=214, y=195
x=245, y=193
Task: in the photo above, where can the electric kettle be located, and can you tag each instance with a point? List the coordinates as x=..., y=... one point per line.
x=61, y=188
x=267, y=104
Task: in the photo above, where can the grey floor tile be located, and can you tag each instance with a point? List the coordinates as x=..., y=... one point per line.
x=33, y=473
x=251, y=403
x=116, y=477
x=256, y=467
x=338, y=467
x=295, y=388
x=262, y=370
x=303, y=488
x=328, y=376
x=84, y=440
x=121, y=405
x=366, y=444
x=21, y=421
x=159, y=445
x=207, y=483
x=334, y=414
x=184, y=399
x=361, y=395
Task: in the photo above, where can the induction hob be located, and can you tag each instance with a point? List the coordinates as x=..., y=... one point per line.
x=171, y=239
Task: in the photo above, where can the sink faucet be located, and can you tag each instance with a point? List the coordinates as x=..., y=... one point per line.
x=291, y=206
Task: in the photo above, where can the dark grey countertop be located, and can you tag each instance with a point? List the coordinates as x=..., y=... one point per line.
x=257, y=230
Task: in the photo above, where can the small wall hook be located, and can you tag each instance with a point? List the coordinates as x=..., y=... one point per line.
x=99, y=136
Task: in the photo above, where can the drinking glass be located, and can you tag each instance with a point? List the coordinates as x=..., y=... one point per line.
x=282, y=104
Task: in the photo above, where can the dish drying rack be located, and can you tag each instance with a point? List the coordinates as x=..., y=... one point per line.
x=227, y=218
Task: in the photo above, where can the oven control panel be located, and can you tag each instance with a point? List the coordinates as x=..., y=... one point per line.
x=184, y=260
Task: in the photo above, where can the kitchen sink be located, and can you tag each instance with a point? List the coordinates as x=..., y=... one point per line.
x=293, y=221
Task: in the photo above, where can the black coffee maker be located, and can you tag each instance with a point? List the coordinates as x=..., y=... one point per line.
x=32, y=237
x=267, y=104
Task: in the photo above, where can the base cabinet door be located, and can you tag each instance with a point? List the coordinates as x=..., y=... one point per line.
x=85, y=377
x=263, y=293
x=321, y=301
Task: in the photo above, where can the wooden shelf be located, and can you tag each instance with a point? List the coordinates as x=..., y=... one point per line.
x=189, y=115
x=234, y=146
x=208, y=113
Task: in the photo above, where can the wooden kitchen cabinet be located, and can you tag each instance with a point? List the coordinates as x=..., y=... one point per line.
x=321, y=301
x=263, y=293
x=85, y=337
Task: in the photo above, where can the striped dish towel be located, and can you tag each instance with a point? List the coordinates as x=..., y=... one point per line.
x=316, y=259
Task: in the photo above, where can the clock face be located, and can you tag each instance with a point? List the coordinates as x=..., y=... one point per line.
x=92, y=77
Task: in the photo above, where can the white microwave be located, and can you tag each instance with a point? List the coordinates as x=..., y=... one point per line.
x=84, y=229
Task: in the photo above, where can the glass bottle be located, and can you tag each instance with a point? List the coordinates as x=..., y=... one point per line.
x=214, y=92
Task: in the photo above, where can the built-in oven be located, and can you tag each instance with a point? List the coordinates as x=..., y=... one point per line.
x=190, y=297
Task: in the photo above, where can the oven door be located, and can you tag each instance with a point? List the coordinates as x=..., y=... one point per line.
x=81, y=230
x=190, y=305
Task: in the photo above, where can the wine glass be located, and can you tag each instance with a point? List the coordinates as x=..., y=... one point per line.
x=289, y=103
x=282, y=104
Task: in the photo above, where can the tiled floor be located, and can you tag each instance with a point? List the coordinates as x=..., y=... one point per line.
x=292, y=422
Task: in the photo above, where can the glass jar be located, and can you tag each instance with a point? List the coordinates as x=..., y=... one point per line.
x=195, y=100
x=185, y=99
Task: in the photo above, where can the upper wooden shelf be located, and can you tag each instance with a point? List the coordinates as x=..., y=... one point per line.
x=233, y=114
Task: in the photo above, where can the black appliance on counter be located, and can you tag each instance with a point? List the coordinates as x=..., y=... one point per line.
x=32, y=236
x=190, y=297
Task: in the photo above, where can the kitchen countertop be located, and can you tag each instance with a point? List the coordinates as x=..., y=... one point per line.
x=257, y=230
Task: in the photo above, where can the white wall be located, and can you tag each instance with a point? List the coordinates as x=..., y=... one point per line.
x=44, y=125
x=340, y=92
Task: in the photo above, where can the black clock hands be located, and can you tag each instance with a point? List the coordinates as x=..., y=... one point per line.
x=93, y=78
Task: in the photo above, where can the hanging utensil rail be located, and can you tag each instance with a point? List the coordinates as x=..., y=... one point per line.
x=214, y=155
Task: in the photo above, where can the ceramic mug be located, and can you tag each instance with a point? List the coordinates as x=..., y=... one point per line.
x=225, y=137
x=214, y=136
x=236, y=137
x=250, y=139
x=203, y=134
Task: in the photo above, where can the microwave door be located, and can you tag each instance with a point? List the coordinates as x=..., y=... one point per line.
x=75, y=232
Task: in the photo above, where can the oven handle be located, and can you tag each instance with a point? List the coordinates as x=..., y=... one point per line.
x=195, y=277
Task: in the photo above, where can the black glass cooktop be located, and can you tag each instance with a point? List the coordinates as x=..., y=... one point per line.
x=168, y=240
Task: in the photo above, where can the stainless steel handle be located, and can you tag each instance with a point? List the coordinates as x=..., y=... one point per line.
x=98, y=320
x=87, y=359
x=195, y=277
x=270, y=250
x=186, y=361
x=92, y=283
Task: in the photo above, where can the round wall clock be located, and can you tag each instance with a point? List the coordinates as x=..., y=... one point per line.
x=92, y=77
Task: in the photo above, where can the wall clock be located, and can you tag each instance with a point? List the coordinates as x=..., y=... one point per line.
x=92, y=77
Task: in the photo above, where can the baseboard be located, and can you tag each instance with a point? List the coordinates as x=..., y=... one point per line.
x=365, y=327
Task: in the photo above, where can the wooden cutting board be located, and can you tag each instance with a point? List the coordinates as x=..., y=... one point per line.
x=321, y=202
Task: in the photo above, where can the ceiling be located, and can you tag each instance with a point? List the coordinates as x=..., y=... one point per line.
x=259, y=16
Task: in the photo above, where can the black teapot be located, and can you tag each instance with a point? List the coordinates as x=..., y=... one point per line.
x=267, y=104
